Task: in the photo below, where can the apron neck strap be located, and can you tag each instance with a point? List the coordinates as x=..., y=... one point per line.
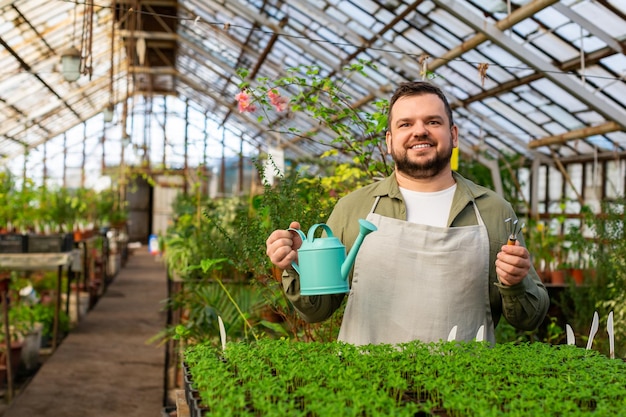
x=375, y=204
x=479, y=218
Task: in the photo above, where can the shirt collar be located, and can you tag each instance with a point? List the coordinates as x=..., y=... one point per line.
x=389, y=187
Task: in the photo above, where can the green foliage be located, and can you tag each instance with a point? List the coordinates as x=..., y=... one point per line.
x=28, y=208
x=44, y=281
x=61, y=209
x=604, y=290
x=580, y=246
x=354, y=132
x=473, y=170
x=553, y=333
x=296, y=197
x=44, y=313
x=189, y=239
x=282, y=377
x=7, y=188
x=18, y=205
x=215, y=243
x=23, y=318
x=542, y=243
x=109, y=208
x=508, y=165
x=192, y=258
x=205, y=300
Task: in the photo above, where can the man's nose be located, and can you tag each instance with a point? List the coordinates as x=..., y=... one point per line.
x=420, y=129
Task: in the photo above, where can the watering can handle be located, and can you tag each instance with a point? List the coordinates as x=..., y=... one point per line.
x=311, y=237
x=303, y=237
x=313, y=228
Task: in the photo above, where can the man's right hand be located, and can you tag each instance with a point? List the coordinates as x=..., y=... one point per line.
x=282, y=246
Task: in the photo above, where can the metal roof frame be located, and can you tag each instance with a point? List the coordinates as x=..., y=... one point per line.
x=554, y=84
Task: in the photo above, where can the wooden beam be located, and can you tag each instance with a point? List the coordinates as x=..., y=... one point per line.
x=585, y=132
x=509, y=21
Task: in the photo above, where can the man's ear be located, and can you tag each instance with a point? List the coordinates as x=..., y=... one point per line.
x=388, y=141
x=454, y=132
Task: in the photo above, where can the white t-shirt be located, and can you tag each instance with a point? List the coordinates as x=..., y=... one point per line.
x=431, y=209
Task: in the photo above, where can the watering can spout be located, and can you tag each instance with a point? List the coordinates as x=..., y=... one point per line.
x=365, y=228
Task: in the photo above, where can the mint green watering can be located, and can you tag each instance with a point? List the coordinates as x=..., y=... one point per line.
x=324, y=267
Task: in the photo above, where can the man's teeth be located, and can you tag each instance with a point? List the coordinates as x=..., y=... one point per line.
x=423, y=145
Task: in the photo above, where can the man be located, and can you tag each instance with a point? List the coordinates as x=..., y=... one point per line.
x=439, y=258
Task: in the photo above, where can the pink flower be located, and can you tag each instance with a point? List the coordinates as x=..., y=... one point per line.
x=243, y=103
x=246, y=107
x=280, y=103
x=242, y=97
x=273, y=95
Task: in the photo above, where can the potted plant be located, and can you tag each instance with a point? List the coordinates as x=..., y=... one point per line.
x=10, y=242
x=542, y=245
x=607, y=253
x=15, y=350
x=24, y=207
x=110, y=210
x=24, y=320
x=560, y=273
x=582, y=246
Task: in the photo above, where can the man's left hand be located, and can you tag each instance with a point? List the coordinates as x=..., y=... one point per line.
x=512, y=264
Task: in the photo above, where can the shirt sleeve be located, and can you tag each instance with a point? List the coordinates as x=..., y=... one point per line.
x=524, y=305
x=312, y=309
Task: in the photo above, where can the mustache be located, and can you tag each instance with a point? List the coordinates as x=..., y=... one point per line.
x=419, y=141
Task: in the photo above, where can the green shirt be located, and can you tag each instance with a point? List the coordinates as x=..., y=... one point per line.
x=524, y=305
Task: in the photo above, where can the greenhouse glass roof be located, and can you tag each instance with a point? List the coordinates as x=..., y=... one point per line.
x=541, y=78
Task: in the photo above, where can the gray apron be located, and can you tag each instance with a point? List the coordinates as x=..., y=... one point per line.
x=414, y=281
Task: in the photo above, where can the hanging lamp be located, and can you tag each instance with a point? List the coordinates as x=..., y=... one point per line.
x=125, y=139
x=107, y=113
x=70, y=63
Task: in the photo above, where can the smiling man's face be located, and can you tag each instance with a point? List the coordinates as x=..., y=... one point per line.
x=420, y=138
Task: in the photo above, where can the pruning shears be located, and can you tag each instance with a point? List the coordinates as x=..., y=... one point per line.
x=513, y=230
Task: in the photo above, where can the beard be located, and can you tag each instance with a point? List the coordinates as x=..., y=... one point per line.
x=422, y=170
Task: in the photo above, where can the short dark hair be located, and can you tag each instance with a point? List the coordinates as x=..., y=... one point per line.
x=417, y=88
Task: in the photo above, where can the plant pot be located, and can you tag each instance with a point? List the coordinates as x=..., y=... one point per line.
x=545, y=275
x=31, y=346
x=558, y=277
x=578, y=275
x=16, y=353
